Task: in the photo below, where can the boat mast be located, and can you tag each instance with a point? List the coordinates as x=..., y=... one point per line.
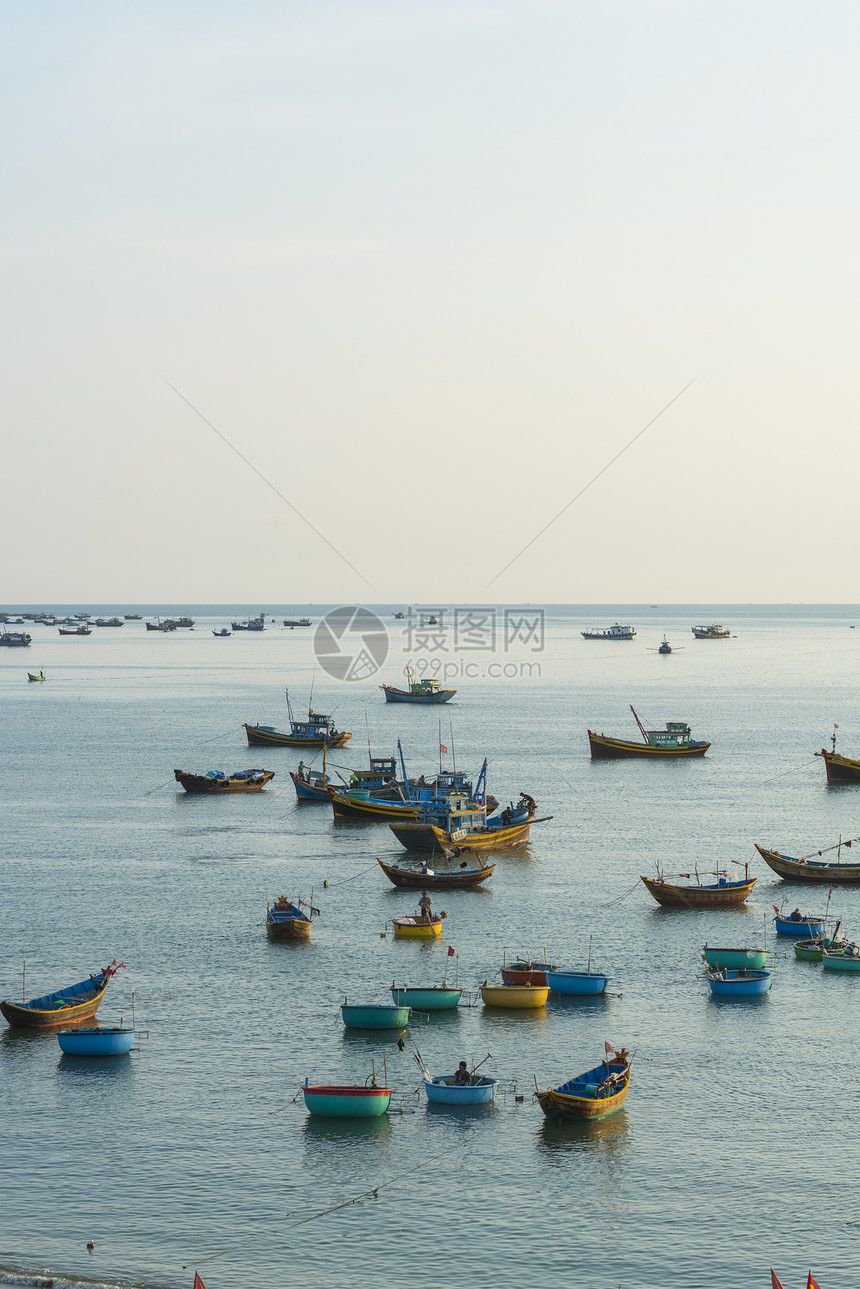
x=402, y=762
x=289, y=705
x=453, y=752
x=639, y=723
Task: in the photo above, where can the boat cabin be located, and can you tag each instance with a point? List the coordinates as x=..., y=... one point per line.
x=676, y=734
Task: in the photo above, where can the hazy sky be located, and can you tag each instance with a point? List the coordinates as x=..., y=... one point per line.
x=428, y=266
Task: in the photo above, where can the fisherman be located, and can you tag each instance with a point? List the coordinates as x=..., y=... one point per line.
x=796, y=916
x=425, y=904
x=462, y=1078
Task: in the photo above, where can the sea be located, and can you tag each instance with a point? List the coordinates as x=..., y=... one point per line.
x=735, y=1151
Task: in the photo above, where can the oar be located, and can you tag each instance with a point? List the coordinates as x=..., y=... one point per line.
x=477, y=1067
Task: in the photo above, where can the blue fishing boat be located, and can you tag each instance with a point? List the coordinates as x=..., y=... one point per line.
x=222, y=634
x=74, y=1003
x=426, y=690
x=375, y=1015
x=340, y=1101
x=804, y=925
x=102, y=1040
x=739, y=984
x=317, y=731
x=286, y=921
x=581, y=983
x=253, y=624
x=443, y=1090
x=591, y=1095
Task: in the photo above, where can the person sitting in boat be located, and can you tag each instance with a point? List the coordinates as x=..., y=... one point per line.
x=425, y=904
x=851, y=951
x=796, y=916
x=462, y=1078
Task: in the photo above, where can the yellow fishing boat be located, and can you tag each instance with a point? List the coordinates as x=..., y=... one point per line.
x=592, y=1095
x=419, y=927
x=514, y=995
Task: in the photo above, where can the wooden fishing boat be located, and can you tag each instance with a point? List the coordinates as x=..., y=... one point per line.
x=103, y=1040
x=340, y=1101
x=739, y=959
x=591, y=1095
x=442, y=1090
x=252, y=624
x=286, y=921
x=427, y=998
x=670, y=744
x=158, y=625
x=446, y=874
x=812, y=950
x=216, y=781
x=514, y=995
x=739, y=984
x=73, y=1003
x=133, y=617
x=712, y=632
x=580, y=983
x=75, y=631
x=375, y=1016
x=806, y=925
x=222, y=634
x=615, y=632
x=37, y=679
x=468, y=825
x=426, y=690
x=847, y=960
x=419, y=927
x=297, y=622
x=310, y=784
x=109, y=622
x=317, y=731
x=808, y=869
x=838, y=768
x=714, y=895
x=15, y=639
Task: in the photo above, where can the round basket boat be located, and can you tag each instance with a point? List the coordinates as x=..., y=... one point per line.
x=443, y=1091
x=375, y=1016
x=740, y=984
x=580, y=983
x=432, y=998
x=102, y=1040
x=336, y=1101
x=419, y=928
x=514, y=995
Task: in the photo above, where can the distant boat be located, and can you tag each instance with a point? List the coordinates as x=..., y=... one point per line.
x=426, y=690
x=670, y=744
x=133, y=617
x=591, y=1095
x=665, y=647
x=41, y=676
x=297, y=622
x=616, y=632
x=253, y=624
x=341, y=1101
x=81, y=630
x=701, y=895
x=72, y=1003
x=103, y=1040
x=109, y=622
x=222, y=634
x=286, y=921
x=445, y=874
x=158, y=625
x=712, y=632
x=317, y=731
x=813, y=870
x=400, y=616
x=14, y=639
x=216, y=781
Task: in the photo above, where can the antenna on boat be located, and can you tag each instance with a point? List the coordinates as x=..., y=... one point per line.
x=24, y=983
x=440, y=744
x=367, y=727
x=590, y=938
x=132, y=1009
x=453, y=751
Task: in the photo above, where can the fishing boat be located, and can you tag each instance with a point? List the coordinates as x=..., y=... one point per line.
x=519, y=996
x=838, y=768
x=419, y=926
x=616, y=632
x=158, y=625
x=375, y=1015
x=670, y=744
x=580, y=983
x=847, y=960
x=340, y=1101
x=72, y=1003
x=399, y=616
x=447, y=874
x=798, y=924
x=443, y=1090
x=133, y=617
x=737, y=959
x=427, y=998
x=15, y=639
x=743, y=983
x=297, y=622
x=36, y=679
x=808, y=869
x=317, y=731
x=702, y=895
x=286, y=921
x=712, y=632
x=81, y=630
x=223, y=634
x=591, y=1095
x=252, y=624
x=217, y=781
x=103, y=1040
x=812, y=950
x=310, y=784
x=664, y=647
x=523, y=971
x=426, y=690
x=468, y=826
x=109, y=622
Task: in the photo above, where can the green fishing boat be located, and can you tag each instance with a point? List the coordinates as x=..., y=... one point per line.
x=812, y=950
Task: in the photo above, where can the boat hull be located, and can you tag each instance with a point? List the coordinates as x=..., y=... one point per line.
x=61, y=1011
x=411, y=928
x=808, y=870
x=401, y=696
x=441, y=1092
x=588, y=1096
x=287, y=924
x=417, y=835
x=580, y=983
x=518, y=976
x=309, y=791
x=369, y=808
x=736, y=959
x=812, y=950
x=435, y=879
x=200, y=784
x=434, y=999
x=259, y=737
x=740, y=984
x=375, y=1016
x=514, y=995
x=604, y=748
x=110, y=1041
x=699, y=897
x=332, y=1101
x=806, y=928
x=840, y=962
x=840, y=769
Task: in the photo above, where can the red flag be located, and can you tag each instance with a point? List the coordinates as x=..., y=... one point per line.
x=610, y=1050
x=450, y=951
x=775, y=1282
x=442, y=747
x=198, y=1283
x=812, y=1283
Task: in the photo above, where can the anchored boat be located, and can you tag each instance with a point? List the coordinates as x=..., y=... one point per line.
x=739, y=984
x=102, y=1040
x=669, y=744
x=738, y=959
x=217, y=781
x=426, y=690
x=701, y=895
x=580, y=983
x=375, y=1015
x=72, y=1003
x=712, y=632
x=451, y=873
x=615, y=632
x=317, y=731
x=419, y=926
x=809, y=869
x=427, y=998
x=286, y=921
x=592, y=1095
x=340, y=1101
x=514, y=995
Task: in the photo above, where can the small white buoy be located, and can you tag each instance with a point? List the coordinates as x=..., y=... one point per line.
x=91, y=1245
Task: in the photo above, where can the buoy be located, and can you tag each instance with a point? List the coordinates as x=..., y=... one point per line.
x=325, y=883
x=90, y=1245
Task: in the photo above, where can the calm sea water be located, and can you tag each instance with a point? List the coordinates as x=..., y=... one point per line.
x=734, y=1147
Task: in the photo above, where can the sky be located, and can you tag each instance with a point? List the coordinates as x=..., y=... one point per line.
x=345, y=300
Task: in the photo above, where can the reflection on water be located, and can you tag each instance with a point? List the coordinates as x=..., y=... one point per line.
x=352, y=1135
x=103, y=1070
x=611, y=1137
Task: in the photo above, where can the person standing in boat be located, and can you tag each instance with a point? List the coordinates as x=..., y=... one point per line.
x=425, y=904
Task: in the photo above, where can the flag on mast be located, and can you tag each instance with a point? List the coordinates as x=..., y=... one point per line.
x=198, y=1283
x=775, y=1282
x=812, y=1283
x=443, y=748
